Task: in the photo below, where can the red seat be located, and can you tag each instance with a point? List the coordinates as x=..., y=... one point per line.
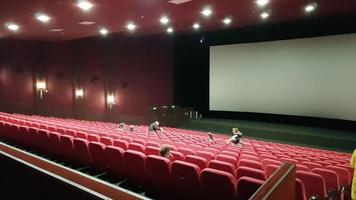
x=300, y=190
x=267, y=161
x=315, y=184
x=126, y=138
x=114, y=159
x=289, y=160
x=158, y=171
x=152, y=144
x=250, y=172
x=230, y=153
x=344, y=175
x=122, y=144
x=134, y=164
x=270, y=169
x=228, y=159
x=186, y=179
x=250, y=163
x=139, y=141
x=149, y=150
x=137, y=147
x=71, y=133
x=331, y=178
x=82, y=135
x=177, y=155
x=202, y=163
x=205, y=154
x=301, y=167
x=81, y=151
x=311, y=165
x=247, y=186
x=223, y=166
x=97, y=155
x=186, y=151
x=107, y=141
x=93, y=138
x=67, y=147
x=53, y=143
x=217, y=184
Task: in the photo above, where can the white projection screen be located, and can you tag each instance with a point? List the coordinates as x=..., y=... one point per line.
x=313, y=77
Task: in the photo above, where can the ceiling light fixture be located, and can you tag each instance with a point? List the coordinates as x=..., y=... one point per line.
x=42, y=17
x=310, y=7
x=131, y=26
x=262, y=3
x=55, y=30
x=84, y=5
x=164, y=20
x=170, y=30
x=264, y=15
x=196, y=26
x=227, y=21
x=12, y=26
x=86, y=23
x=207, y=12
x=103, y=31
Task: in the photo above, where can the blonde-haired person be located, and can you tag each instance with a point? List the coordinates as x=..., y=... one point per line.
x=353, y=165
x=236, y=138
x=165, y=151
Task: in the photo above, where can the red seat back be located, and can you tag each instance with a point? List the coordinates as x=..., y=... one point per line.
x=122, y=144
x=114, y=159
x=158, y=171
x=223, y=166
x=134, y=164
x=202, y=163
x=250, y=172
x=217, y=184
x=250, y=163
x=186, y=179
x=96, y=151
x=315, y=184
x=247, y=186
x=81, y=151
x=331, y=178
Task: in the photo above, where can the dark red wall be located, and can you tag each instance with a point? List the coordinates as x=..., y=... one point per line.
x=138, y=70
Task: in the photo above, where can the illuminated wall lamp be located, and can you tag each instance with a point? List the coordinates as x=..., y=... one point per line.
x=79, y=93
x=111, y=101
x=41, y=88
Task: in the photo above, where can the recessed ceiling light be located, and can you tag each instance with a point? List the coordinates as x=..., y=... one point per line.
x=55, y=30
x=310, y=7
x=131, y=26
x=262, y=3
x=227, y=20
x=84, y=5
x=264, y=15
x=196, y=26
x=207, y=12
x=87, y=23
x=42, y=17
x=12, y=26
x=170, y=30
x=103, y=31
x=164, y=20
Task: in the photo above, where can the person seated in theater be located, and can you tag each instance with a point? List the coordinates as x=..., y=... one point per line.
x=122, y=126
x=353, y=165
x=165, y=152
x=131, y=128
x=236, y=138
x=154, y=127
x=210, y=137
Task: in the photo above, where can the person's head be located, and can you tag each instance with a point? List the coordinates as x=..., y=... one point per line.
x=235, y=131
x=157, y=123
x=210, y=136
x=132, y=127
x=164, y=151
x=122, y=125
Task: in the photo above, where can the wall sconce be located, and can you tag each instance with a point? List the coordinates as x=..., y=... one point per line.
x=79, y=93
x=41, y=88
x=111, y=101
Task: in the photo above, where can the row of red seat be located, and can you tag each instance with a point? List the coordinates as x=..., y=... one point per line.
x=258, y=156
